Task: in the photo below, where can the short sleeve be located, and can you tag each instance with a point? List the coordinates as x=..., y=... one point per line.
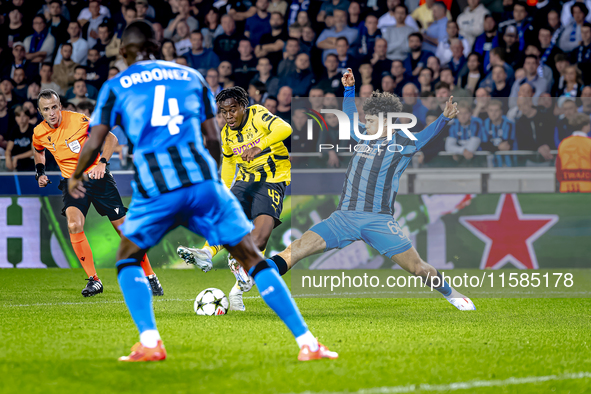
x=37, y=144
x=104, y=109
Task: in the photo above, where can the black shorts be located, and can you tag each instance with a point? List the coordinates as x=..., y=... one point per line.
x=260, y=198
x=102, y=193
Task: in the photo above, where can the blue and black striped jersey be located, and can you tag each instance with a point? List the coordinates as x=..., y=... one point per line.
x=160, y=106
x=371, y=182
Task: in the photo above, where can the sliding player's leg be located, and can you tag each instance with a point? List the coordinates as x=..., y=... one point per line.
x=76, y=219
x=276, y=295
x=201, y=257
x=145, y=263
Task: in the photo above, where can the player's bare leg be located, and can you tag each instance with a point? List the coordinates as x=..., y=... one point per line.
x=310, y=243
x=146, y=266
x=263, y=226
x=276, y=295
x=136, y=290
x=411, y=262
x=81, y=247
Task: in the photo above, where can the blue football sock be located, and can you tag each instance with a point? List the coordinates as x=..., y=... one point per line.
x=276, y=294
x=445, y=288
x=137, y=293
x=273, y=265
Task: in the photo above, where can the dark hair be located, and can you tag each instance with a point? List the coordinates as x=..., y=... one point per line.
x=213, y=69
x=442, y=85
x=530, y=56
x=382, y=102
x=47, y=94
x=86, y=105
x=440, y=4
x=419, y=35
x=343, y=39
x=40, y=16
x=581, y=7
x=55, y=1
x=80, y=67
x=236, y=93
x=560, y=57
x=162, y=46
x=500, y=52
x=270, y=98
x=48, y=64
x=586, y=24
x=445, y=69
x=278, y=13
x=105, y=24
x=477, y=56
x=115, y=68
x=332, y=54
x=521, y=4
x=67, y=44
x=196, y=31
x=402, y=6
x=430, y=70
x=258, y=85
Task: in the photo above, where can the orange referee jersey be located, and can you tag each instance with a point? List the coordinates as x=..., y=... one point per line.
x=64, y=142
x=573, y=165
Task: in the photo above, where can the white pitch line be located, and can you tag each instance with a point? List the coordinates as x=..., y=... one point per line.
x=424, y=387
x=99, y=302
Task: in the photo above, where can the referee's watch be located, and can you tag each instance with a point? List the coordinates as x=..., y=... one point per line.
x=103, y=160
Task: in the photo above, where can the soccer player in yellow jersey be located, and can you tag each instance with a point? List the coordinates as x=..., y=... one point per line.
x=257, y=161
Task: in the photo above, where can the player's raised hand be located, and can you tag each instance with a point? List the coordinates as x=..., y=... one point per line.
x=451, y=109
x=348, y=79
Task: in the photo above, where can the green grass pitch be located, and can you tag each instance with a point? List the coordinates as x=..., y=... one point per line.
x=52, y=340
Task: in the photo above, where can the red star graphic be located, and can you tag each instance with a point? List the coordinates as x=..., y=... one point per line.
x=509, y=234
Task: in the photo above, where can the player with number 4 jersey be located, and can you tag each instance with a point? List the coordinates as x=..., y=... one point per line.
x=254, y=154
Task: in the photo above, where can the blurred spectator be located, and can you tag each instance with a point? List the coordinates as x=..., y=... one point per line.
x=365, y=91
x=287, y=65
x=487, y=40
x=498, y=133
x=554, y=23
x=80, y=93
x=432, y=149
x=331, y=80
x=113, y=71
x=224, y=72
x=424, y=13
x=327, y=40
x=354, y=13
x=245, y=67
x=530, y=66
x=560, y=63
x=142, y=9
x=563, y=129
x=548, y=47
x=345, y=59
x=365, y=73
x=410, y=95
x=40, y=45
x=399, y=75
x=389, y=18
x=464, y=133
x=425, y=80
x=14, y=30
x=296, y=7
x=472, y=78
x=264, y=68
x=284, y=103
x=571, y=35
x=437, y=30
x=299, y=136
x=34, y=116
x=434, y=64
x=510, y=43
x=80, y=73
x=368, y=35
x=19, y=152
x=7, y=87
x=573, y=82
x=90, y=26
x=533, y=128
x=182, y=61
x=20, y=84
x=417, y=59
x=378, y=60
x=58, y=25
x=566, y=16
x=271, y=44
x=447, y=76
x=279, y=6
x=184, y=9
x=522, y=24
x=97, y=69
x=201, y=58
x=271, y=104
x=257, y=92
x=388, y=85
x=458, y=62
x=33, y=90
x=225, y=45
x=212, y=79
x=258, y=24
x=212, y=28
x=497, y=58
x=397, y=35
x=301, y=80
x=471, y=21
x=444, y=52
x=303, y=19
x=328, y=8
x=573, y=165
x=86, y=13
x=182, y=38
x=168, y=51
x=18, y=61
x=500, y=86
x=581, y=55
x=85, y=107
x=5, y=119
x=79, y=45
x=105, y=35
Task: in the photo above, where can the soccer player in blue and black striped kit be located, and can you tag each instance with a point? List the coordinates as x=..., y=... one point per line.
x=164, y=108
x=366, y=207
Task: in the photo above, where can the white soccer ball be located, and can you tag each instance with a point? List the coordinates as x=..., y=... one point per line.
x=211, y=302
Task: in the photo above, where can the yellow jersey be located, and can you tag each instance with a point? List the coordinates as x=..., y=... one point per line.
x=265, y=131
x=573, y=165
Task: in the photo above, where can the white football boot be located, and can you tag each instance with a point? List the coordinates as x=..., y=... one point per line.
x=244, y=283
x=459, y=301
x=199, y=257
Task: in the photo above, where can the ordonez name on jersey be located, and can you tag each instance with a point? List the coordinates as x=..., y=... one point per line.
x=156, y=74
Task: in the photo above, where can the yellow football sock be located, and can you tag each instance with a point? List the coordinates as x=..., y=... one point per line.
x=213, y=249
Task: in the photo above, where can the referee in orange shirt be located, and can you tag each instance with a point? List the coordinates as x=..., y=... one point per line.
x=64, y=133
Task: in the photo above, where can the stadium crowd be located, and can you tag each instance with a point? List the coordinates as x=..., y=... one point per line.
x=504, y=59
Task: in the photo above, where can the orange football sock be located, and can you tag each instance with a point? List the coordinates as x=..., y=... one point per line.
x=84, y=253
x=146, y=266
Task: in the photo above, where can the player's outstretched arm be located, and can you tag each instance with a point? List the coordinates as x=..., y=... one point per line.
x=431, y=131
x=349, y=106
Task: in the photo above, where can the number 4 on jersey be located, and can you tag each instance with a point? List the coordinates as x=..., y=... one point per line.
x=158, y=119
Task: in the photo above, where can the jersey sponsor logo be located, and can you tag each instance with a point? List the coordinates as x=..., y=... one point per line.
x=74, y=146
x=241, y=149
x=156, y=74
